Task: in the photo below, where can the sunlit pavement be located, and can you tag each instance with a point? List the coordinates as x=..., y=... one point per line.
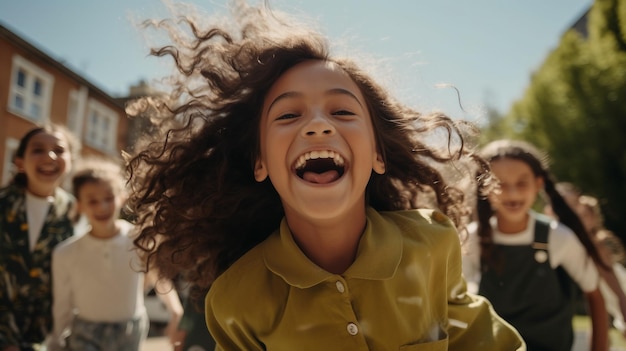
x=582, y=328
x=156, y=343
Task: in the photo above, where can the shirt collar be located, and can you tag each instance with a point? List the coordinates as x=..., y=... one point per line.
x=378, y=255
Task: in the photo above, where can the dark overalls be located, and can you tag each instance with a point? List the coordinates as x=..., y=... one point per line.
x=529, y=294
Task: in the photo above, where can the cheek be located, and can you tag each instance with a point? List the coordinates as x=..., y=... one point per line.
x=493, y=199
x=68, y=161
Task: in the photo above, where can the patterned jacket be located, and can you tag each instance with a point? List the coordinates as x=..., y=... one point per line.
x=25, y=282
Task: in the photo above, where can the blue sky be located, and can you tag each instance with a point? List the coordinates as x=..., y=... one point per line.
x=486, y=48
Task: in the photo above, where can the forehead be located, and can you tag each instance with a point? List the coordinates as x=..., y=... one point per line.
x=508, y=168
x=311, y=77
x=48, y=138
x=96, y=187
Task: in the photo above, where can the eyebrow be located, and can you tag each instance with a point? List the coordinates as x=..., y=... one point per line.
x=335, y=91
x=44, y=144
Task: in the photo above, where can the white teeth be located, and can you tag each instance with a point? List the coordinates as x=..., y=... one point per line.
x=313, y=155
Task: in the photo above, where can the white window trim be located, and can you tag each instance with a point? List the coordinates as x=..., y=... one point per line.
x=79, y=97
x=10, y=146
x=113, y=117
x=48, y=82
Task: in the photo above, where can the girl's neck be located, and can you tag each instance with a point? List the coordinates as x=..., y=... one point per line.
x=331, y=245
x=512, y=227
x=40, y=191
x=105, y=232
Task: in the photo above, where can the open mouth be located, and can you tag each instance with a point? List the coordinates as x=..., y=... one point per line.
x=512, y=205
x=320, y=167
x=47, y=171
x=102, y=218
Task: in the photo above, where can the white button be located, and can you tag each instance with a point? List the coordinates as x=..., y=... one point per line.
x=541, y=256
x=340, y=286
x=353, y=329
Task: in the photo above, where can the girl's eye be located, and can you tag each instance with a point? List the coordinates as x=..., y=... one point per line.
x=343, y=113
x=287, y=116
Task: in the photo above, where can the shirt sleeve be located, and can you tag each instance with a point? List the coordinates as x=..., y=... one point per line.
x=227, y=332
x=567, y=251
x=470, y=249
x=8, y=336
x=62, y=296
x=7, y=333
x=472, y=322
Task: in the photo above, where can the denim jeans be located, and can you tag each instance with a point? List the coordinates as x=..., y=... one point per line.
x=104, y=336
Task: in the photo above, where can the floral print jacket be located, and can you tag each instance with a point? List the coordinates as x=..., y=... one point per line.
x=25, y=282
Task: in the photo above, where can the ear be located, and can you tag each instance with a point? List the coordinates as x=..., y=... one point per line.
x=260, y=171
x=78, y=208
x=379, y=164
x=19, y=163
x=121, y=198
x=539, y=182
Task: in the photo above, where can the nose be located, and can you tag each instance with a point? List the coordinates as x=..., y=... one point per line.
x=319, y=124
x=508, y=190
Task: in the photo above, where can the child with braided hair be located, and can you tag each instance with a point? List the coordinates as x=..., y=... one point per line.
x=524, y=262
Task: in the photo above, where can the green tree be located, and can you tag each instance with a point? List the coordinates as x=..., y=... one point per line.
x=575, y=110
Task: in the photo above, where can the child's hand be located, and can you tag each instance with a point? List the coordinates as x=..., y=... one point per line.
x=171, y=330
x=178, y=339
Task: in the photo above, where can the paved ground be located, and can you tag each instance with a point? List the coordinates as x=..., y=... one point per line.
x=156, y=343
x=582, y=327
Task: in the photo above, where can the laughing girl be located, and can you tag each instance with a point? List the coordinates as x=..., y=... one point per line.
x=287, y=181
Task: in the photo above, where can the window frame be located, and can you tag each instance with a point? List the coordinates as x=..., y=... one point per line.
x=33, y=74
x=94, y=134
x=8, y=169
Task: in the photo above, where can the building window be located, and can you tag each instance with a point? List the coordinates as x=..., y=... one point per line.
x=101, y=128
x=10, y=146
x=31, y=90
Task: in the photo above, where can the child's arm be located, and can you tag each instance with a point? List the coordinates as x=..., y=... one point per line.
x=165, y=290
x=61, y=301
x=8, y=339
x=610, y=277
x=599, y=321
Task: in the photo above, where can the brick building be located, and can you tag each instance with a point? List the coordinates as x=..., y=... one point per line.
x=36, y=89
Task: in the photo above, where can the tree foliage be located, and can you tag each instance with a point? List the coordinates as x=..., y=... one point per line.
x=575, y=110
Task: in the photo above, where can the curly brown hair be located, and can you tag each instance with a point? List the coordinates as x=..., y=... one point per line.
x=193, y=191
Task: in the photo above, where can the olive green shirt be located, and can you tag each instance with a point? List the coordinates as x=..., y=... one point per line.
x=403, y=292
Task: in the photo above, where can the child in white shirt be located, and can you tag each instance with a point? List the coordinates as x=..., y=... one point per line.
x=98, y=278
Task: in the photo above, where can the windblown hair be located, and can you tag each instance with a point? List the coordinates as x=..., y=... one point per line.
x=20, y=179
x=538, y=163
x=193, y=191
